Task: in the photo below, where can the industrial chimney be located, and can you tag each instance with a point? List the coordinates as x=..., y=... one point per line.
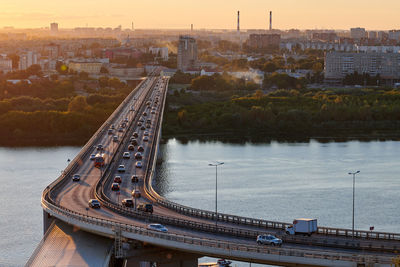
x=238, y=22
x=270, y=20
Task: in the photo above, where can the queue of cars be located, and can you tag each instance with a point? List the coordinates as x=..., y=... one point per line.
x=144, y=124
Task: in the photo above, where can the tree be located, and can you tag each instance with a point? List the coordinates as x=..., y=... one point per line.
x=78, y=104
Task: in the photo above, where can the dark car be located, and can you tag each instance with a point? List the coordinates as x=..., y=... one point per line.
x=140, y=149
x=135, y=134
x=118, y=179
x=134, y=142
x=127, y=202
x=94, y=203
x=76, y=177
x=138, y=155
x=131, y=147
x=134, y=179
x=115, y=187
x=100, y=147
x=145, y=207
x=143, y=127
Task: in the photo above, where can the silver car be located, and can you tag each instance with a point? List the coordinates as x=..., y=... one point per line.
x=269, y=240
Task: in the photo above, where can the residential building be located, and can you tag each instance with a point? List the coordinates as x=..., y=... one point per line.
x=5, y=64
x=54, y=28
x=88, y=67
x=187, y=53
x=339, y=64
x=27, y=59
x=394, y=35
x=264, y=41
x=162, y=52
x=53, y=50
x=358, y=33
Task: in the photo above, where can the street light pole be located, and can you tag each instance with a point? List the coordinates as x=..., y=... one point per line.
x=354, y=192
x=216, y=189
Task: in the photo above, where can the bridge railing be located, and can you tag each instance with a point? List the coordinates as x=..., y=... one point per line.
x=230, y=247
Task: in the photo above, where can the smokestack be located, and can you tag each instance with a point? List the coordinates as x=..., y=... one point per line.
x=270, y=20
x=238, y=23
x=191, y=27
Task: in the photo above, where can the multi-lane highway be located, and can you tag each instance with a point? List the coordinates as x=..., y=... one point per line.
x=142, y=113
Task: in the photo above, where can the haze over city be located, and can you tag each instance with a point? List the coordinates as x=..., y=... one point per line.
x=307, y=14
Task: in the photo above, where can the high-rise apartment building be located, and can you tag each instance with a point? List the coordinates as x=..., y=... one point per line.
x=358, y=33
x=339, y=64
x=28, y=59
x=54, y=28
x=187, y=53
x=5, y=64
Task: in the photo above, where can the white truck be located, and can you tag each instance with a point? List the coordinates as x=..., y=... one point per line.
x=302, y=226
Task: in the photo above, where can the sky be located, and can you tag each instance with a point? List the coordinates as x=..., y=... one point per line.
x=209, y=14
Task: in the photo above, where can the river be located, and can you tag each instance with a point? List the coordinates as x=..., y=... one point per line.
x=275, y=181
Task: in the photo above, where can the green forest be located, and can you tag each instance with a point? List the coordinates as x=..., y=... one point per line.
x=303, y=113
x=52, y=112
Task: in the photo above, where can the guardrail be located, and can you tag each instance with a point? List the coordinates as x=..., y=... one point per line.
x=230, y=247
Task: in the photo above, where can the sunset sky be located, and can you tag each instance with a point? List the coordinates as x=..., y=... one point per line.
x=214, y=14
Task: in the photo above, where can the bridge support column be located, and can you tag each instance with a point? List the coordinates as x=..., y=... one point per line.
x=160, y=257
x=47, y=220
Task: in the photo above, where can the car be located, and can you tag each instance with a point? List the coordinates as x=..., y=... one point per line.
x=146, y=207
x=148, y=121
x=115, y=186
x=126, y=155
x=142, y=128
x=131, y=147
x=121, y=168
x=123, y=125
x=140, y=123
x=121, y=130
x=141, y=119
x=94, y=203
x=127, y=202
x=92, y=156
x=134, y=179
x=145, y=138
x=138, y=155
x=145, y=113
x=134, y=142
x=269, y=240
x=117, y=179
x=115, y=138
x=135, y=134
x=148, y=126
x=153, y=112
x=140, y=149
x=100, y=147
x=146, y=133
x=157, y=227
x=76, y=177
x=126, y=120
x=112, y=126
x=136, y=193
x=110, y=131
x=138, y=164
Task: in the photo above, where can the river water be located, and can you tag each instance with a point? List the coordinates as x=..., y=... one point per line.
x=274, y=181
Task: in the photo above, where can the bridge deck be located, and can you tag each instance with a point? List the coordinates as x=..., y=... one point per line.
x=65, y=245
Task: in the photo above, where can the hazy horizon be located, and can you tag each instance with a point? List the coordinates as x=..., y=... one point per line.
x=207, y=14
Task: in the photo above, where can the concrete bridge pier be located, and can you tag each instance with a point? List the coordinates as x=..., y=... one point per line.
x=47, y=221
x=160, y=257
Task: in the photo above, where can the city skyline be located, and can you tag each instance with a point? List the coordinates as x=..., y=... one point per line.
x=177, y=14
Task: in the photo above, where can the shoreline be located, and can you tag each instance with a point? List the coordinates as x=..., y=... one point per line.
x=225, y=137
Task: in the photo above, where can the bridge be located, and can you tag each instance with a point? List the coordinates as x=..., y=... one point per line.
x=116, y=235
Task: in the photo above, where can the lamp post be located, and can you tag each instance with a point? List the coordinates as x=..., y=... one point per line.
x=216, y=189
x=354, y=185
